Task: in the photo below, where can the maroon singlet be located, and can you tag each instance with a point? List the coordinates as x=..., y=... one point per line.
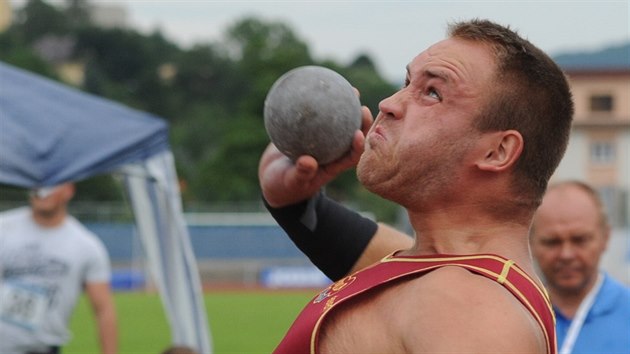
x=302, y=337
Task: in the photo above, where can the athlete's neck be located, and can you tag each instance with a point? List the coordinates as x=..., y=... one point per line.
x=467, y=231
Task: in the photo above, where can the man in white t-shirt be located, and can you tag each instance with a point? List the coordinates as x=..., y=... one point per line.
x=47, y=258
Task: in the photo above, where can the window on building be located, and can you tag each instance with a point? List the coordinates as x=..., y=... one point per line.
x=603, y=152
x=602, y=103
x=615, y=200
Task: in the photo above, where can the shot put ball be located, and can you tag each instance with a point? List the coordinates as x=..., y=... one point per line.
x=312, y=110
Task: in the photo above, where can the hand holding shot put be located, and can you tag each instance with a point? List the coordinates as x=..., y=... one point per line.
x=314, y=116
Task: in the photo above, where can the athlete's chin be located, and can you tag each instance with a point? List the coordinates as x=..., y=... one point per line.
x=363, y=167
x=374, y=182
x=364, y=176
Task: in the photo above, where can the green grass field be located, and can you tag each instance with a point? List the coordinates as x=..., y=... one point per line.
x=240, y=321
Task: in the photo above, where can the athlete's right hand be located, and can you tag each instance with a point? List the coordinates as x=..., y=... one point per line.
x=284, y=182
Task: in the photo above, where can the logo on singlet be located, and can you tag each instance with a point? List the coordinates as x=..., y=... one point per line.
x=334, y=288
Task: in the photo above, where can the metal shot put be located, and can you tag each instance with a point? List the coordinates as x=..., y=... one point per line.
x=312, y=110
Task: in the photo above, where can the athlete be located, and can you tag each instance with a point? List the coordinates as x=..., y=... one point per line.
x=467, y=146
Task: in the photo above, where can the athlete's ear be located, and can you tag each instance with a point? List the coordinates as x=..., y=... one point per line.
x=502, y=150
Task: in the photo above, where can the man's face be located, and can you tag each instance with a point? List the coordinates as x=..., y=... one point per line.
x=423, y=133
x=50, y=200
x=568, y=240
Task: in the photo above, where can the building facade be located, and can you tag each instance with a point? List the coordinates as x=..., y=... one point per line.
x=599, y=147
x=6, y=14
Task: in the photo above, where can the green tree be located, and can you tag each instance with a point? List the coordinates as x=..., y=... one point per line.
x=231, y=173
x=14, y=51
x=124, y=65
x=37, y=19
x=251, y=57
x=263, y=51
x=205, y=74
x=265, y=46
x=77, y=14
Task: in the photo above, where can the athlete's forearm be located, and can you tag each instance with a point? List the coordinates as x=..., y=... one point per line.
x=332, y=236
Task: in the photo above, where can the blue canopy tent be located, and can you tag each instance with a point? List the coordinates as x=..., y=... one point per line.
x=51, y=133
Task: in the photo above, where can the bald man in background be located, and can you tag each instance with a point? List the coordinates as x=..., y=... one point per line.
x=569, y=234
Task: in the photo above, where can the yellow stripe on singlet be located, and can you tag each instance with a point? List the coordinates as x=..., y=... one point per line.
x=504, y=272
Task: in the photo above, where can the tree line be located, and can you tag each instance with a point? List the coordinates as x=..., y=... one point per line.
x=212, y=94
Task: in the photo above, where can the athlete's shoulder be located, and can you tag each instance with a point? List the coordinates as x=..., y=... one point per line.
x=452, y=302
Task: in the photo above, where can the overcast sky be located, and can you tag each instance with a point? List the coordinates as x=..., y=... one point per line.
x=390, y=32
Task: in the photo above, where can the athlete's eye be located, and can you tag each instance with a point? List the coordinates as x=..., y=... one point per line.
x=434, y=94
